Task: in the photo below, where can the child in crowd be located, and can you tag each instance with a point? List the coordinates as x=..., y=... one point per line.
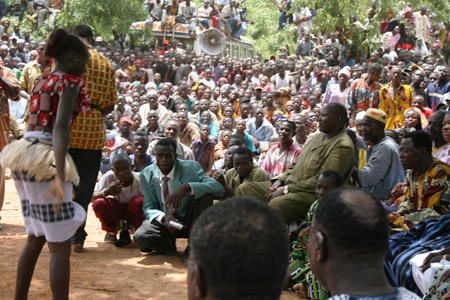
x=301, y=279
x=118, y=201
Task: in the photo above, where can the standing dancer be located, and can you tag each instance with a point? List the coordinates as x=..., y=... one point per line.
x=43, y=171
x=88, y=130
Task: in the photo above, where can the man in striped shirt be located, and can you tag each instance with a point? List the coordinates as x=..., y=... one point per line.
x=383, y=169
x=284, y=154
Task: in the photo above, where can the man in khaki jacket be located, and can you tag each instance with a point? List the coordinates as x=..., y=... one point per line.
x=330, y=150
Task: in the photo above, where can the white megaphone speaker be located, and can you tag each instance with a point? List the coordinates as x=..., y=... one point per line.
x=212, y=41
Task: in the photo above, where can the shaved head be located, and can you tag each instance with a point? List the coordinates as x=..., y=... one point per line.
x=354, y=222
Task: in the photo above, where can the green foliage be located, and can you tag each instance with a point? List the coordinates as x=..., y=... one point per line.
x=349, y=15
x=104, y=16
x=264, y=32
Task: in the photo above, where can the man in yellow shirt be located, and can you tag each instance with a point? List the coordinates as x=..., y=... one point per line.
x=32, y=70
x=88, y=129
x=395, y=98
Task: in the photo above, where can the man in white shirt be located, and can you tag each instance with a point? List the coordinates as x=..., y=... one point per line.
x=230, y=17
x=208, y=80
x=187, y=14
x=303, y=20
x=118, y=198
x=423, y=25
x=154, y=10
x=153, y=104
x=172, y=131
x=204, y=14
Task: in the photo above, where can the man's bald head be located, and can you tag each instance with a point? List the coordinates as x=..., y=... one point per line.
x=353, y=222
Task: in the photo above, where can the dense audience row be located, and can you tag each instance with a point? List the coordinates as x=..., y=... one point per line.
x=184, y=131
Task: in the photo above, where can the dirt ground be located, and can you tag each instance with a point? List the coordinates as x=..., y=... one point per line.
x=101, y=272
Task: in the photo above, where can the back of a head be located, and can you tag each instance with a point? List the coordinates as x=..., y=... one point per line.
x=61, y=44
x=438, y=116
x=420, y=139
x=84, y=31
x=354, y=223
x=241, y=248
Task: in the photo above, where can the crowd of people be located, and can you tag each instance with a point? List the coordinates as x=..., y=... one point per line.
x=167, y=144
x=227, y=16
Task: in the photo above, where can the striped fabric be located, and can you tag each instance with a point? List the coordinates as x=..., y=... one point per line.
x=46, y=212
x=427, y=236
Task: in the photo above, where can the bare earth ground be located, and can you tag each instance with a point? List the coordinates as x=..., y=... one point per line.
x=101, y=272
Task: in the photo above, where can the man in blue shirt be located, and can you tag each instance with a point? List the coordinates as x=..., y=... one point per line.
x=383, y=169
x=259, y=127
x=437, y=89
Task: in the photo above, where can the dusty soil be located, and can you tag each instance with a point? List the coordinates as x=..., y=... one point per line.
x=101, y=272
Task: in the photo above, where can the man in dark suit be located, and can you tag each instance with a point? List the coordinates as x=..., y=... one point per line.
x=175, y=192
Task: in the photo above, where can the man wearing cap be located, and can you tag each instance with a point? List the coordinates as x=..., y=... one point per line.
x=88, y=129
x=383, y=169
x=395, y=99
x=120, y=142
x=437, y=89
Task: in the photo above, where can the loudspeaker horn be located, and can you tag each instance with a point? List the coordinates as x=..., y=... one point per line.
x=212, y=41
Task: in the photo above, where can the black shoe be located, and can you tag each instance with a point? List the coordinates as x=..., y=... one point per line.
x=124, y=239
x=110, y=237
x=170, y=251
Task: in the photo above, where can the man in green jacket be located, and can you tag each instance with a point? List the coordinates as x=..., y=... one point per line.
x=244, y=179
x=330, y=150
x=175, y=192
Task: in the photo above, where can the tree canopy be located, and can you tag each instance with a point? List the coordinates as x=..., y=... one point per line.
x=104, y=16
x=349, y=16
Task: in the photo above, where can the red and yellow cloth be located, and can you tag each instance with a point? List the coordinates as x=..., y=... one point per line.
x=88, y=130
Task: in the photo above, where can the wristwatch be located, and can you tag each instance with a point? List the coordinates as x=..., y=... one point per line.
x=286, y=189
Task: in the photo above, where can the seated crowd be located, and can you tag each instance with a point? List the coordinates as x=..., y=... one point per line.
x=347, y=167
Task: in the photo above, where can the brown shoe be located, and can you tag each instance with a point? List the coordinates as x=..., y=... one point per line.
x=78, y=247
